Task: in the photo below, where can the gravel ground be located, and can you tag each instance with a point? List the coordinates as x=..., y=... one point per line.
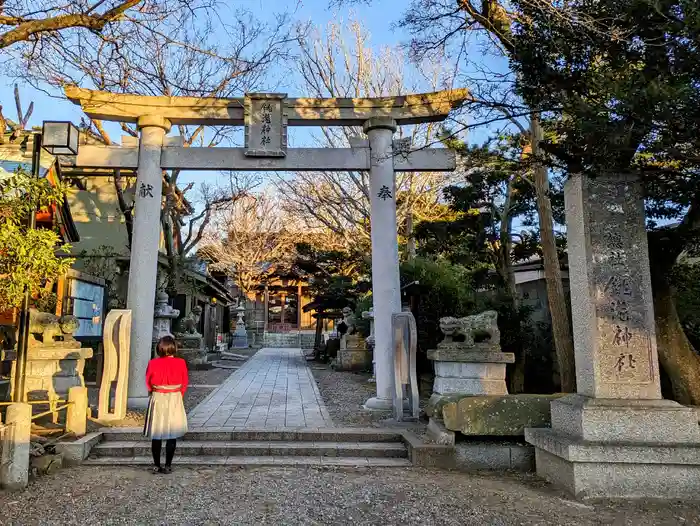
x=344, y=393
x=210, y=376
x=218, y=496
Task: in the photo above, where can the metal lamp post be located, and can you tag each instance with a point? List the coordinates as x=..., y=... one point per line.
x=57, y=138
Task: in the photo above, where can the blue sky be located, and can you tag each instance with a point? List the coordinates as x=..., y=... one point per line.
x=378, y=18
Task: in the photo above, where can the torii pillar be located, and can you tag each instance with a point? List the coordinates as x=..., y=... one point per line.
x=144, y=253
x=386, y=286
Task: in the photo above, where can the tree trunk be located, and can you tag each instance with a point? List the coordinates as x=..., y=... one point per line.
x=676, y=355
x=504, y=248
x=319, y=333
x=410, y=238
x=505, y=270
x=171, y=286
x=126, y=210
x=561, y=326
x=517, y=376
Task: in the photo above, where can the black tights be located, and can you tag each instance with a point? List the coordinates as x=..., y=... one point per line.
x=169, y=451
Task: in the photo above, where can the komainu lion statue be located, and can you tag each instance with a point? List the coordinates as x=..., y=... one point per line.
x=461, y=332
x=349, y=319
x=50, y=328
x=188, y=324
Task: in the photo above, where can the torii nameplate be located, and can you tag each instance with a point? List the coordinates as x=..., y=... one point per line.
x=265, y=117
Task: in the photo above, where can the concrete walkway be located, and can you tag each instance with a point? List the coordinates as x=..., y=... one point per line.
x=274, y=388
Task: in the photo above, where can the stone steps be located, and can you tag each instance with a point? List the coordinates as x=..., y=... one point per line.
x=289, y=340
x=259, y=448
x=261, y=461
x=296, y=435
x=353, y=447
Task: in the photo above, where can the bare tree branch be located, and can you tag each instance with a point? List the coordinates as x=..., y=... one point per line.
x=343, y=64
x=25, y=28
x=249, y=240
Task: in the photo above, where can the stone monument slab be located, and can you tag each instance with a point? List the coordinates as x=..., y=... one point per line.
x=406, y=400
x=613, y=317
x=117, y=347
x=616, y=437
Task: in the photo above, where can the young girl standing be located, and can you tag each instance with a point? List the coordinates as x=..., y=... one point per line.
x=166, y=379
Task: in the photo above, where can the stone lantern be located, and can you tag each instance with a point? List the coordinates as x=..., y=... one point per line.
x=163, y=315
x=240, y=335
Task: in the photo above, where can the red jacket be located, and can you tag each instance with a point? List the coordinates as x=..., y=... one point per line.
x=168, y=370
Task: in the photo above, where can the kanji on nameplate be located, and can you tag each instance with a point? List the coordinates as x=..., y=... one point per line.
x=265, y=125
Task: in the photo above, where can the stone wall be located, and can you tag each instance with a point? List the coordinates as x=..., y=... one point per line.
x=97, y=216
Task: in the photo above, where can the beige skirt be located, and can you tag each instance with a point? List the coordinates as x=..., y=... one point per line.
x=165, y=416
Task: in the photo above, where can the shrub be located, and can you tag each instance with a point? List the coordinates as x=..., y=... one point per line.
x=685, y=280
x=443, y=289
x=28, y=258
x=363, y=304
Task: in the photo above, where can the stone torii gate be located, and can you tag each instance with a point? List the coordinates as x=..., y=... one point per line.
x=266, y=117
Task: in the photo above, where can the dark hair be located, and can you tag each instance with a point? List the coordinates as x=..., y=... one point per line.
x=166, y=347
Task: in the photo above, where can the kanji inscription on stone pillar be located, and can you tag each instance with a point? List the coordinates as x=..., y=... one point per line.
x=622, y=302
x=265, y=125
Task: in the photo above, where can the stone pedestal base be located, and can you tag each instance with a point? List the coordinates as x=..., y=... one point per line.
x=470, y=372
x=353, y=360
x=55, y=369
x=379, y=404
x=600, y=470
x=439, y=434
x=627, y=421
x=481, y=385
x=191, y=348
x=137, y=402
x=193, y=355
x=620, y=448
x=240, y=340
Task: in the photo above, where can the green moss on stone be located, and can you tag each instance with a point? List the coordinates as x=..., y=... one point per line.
x=437, y=403
x=506, y=415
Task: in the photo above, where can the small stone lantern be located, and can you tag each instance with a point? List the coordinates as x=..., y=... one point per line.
x=240, y=335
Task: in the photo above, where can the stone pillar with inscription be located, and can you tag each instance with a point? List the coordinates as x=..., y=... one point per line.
x=616, y=437
x=144, y=253
x=386, y=295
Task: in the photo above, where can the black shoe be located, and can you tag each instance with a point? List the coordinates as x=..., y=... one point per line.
x=158, y=469
x=167, y=470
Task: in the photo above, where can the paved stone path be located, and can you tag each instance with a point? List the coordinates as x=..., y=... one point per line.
x=274, y=388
